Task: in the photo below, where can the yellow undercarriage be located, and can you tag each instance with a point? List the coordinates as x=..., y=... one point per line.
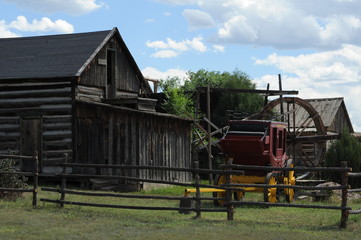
x=234, y=180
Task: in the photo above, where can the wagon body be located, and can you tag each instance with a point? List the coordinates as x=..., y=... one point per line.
x=255, y=142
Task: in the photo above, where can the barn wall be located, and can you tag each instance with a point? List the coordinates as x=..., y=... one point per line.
x=37, y=105
x=340, y=121
x=109, y=135
x=95, y=74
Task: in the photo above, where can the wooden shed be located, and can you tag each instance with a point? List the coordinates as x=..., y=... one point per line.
x=333, y=113
x=83, y=94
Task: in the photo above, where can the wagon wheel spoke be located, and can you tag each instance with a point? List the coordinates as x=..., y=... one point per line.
x=304, y=155
x=290, y=179
x=303, y=126
x=271, y=193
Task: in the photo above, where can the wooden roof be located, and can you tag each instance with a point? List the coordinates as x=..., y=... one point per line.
x=328, y=109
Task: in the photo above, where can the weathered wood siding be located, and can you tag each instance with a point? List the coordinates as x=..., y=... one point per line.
x=340, y=121
x=95, y=75
x=89, y=94
x=112, y=135
x=49, y=103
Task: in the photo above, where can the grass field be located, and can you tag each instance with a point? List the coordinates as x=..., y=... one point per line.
x=19, y=220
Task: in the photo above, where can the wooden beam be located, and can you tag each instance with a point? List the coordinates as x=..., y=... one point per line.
x=209, y=130
x=317, y=138
x=265, y=92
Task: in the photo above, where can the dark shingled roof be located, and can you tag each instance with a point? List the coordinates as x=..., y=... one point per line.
x=48, y=56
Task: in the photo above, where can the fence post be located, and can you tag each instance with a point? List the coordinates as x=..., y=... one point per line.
x=230, y=209
x=36, y=180
x=63, y=180
x=344, y=211
x=198, y=192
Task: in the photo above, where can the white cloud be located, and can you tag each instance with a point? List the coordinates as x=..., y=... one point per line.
x=74, y=7
x=198, y=19
x=330, y=67
x=282, y=24
x=172, y=48
x=21, y=24
x=169, y=44
x=5, y=32
x=197, y=44
x=238, y=28
x=43, y=25
x=153, y=73
x=334, y=73
x=218, y=48
x=165, y=54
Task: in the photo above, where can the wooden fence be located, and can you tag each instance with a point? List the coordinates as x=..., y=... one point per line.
x=193, y=202
x=196, y=200
x=34, y=174
x=356, y=190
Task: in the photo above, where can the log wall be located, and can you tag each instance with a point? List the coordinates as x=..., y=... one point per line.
x=49, y=102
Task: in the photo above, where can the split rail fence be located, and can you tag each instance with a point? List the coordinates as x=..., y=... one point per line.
x=196, y=206
x=226, y=169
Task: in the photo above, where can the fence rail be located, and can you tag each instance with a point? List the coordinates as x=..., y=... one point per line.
x=195, y=206
x=34, y=174
x=195, y=201
x=356, y=190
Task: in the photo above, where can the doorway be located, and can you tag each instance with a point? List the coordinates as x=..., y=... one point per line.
x=30, y=142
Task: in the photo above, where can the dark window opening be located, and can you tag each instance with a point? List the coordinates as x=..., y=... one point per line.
x=111, y=89
x=280, y=139
x=274, y=141
x=110, y=66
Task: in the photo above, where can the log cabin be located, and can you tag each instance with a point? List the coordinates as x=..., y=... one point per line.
x=83, y=94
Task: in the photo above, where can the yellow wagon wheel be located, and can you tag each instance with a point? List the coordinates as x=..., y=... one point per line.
x=271, y=193
x=219, y=180
x=290, y=179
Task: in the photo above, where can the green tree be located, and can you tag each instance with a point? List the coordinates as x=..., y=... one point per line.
x=347, y=148
x=245, y=103
x=181, y=102
x=177, y=102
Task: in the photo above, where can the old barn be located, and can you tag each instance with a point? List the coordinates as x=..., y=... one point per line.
x=83, y=94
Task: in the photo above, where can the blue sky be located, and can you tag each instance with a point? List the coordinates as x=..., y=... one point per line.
x=315, y=45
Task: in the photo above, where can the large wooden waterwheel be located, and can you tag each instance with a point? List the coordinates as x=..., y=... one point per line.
x=306, y=132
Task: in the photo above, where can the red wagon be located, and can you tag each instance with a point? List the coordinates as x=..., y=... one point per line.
x=258, y=143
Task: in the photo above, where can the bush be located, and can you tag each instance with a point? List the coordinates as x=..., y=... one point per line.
x=177, y=103
x=10, y=180
x=347, y=148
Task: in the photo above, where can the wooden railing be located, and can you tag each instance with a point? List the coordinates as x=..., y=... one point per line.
x=196, y=206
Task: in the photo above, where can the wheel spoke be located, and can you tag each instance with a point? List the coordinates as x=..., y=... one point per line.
x=270, y=194
x=290, y=179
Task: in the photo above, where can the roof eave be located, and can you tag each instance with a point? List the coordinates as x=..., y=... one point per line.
x=97, y=50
